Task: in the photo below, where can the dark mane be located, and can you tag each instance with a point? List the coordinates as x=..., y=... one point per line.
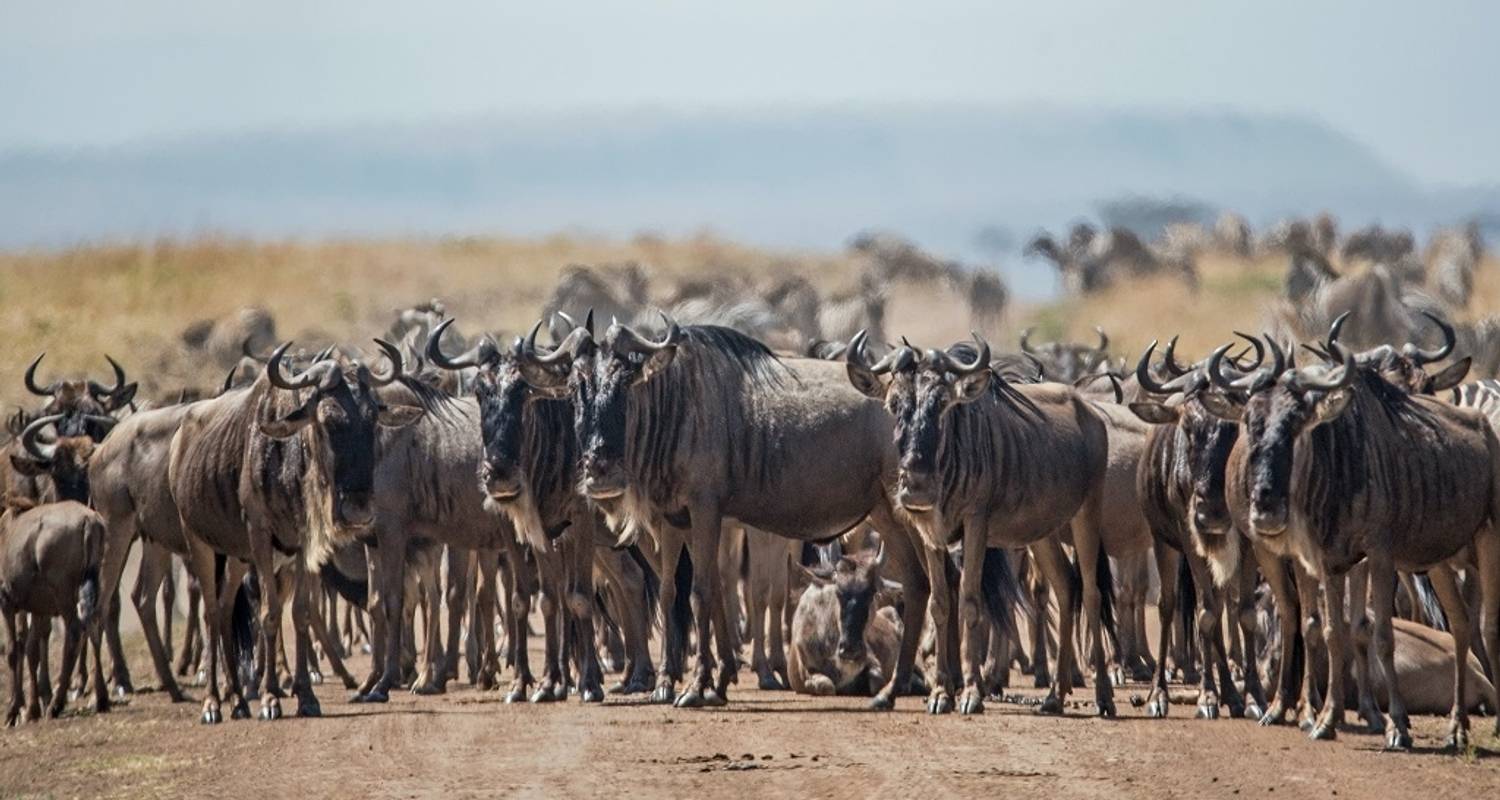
x=748, y=355
x=430, y=398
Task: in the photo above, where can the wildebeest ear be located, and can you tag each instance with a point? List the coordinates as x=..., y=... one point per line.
x=28, y=466
x=1155, y=413
x=971, y=387
x=866, y=381
x=1330, y=406
x=815, y=575
x=1221, y=406
x=1453, y=375
x=658, y=361
x=288, y=425
x=890, y=593
x=399, y=416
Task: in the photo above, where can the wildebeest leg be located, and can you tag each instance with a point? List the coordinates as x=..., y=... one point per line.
x=302, y=589
x=1255, y=693
x=1487, y=558
x=191, y=655
x=1308, y=600
x=388, y=600
x=1335, y=632
x=971, y=614
x=1211, y=642
x=940, y=606
x=119, y=669
x=731, y=558
x=1053, y=563
x=778, y=587
x=758, y=599
x=460, y=584
x=674, y=647
x=13, y=659
x=1041, y=673
x=36, y=662
x=905, y=564
x=1159, y=699
x=1359, y=622
x=72, y=640
x=327, y=638
x=270, y=623
x=1445, y=584
x=155, y=564
x=703, y=548
x=229, y=644
x=518, y=632
x=553, y=680
x=579, y=552
x=169, y=604
x=200, y=564
x=1090, y=550
x=482, y=629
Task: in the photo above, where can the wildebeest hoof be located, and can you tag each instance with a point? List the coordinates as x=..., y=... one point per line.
x=591, y=695
x=1106, y=708
x=1116, y=675
x=516, y=694
x=663, y=694
x=1275, y=715
x=270, y=708
x=940, y=703
x=1323, y=731
x=1398, y=739
x=121, y=692
x=972, y=702
x=1253, y=711
x=1041, y=680
x=56, y=708
x=1051, y=705
x=1207, y=711
x=769, y=683
x=309, y=707
x=882, y=702
x=102, y=705
x=428, y=689
x=1237, y=710
x=241, y=710
x=315, y=678
x=690, y=698
x=560, y=692
x=376, y=695
x=542, y=695
x=713, y=698
x=211, y=713
x=13, y=719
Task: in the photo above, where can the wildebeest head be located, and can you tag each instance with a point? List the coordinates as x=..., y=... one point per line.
x=1284, y=405
x=81, y=403
x=1197, y=407
x=1407, y=367
x=341, y=410
x=919, y=395
x=1067, y=362
x=857, y=582
x=64, y=459
x=624, y=360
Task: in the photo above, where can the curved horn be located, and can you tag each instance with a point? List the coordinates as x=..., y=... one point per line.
x=628, y=341
x=478, y=355
x=1335, y=329
x=564, y=351
x=1026, y=341
x=1345, y=378
x=101, y=420
x=1143, y=371
x=398, y=365
x=1103, y=339
x=1421, y=356
x=982, y=361
x=1169, y=359
x=37, y=450
x=1260, y=349
x=880, y=555
x=280, y=381
x=1216, y=371
x=31, y=385
x=229, y=379
x=98, y=390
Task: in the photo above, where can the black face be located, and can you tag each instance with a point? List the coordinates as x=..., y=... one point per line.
x=76, y=405
x=602, y=408
x=918, y=434
x=1273, y=420
x=856, y=581
x=68, y=468
x=347, y=416
x=502, y=394
x=1209, y=442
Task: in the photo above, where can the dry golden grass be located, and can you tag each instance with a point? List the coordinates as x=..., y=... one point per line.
x=134, y=300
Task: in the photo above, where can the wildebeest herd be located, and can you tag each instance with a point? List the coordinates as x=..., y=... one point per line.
x=878, y=518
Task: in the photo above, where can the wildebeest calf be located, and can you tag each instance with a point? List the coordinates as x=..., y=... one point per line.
x=843, y=640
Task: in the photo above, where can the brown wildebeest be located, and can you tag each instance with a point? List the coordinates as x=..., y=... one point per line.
x=768, y=590
x=1338, y=464
x=706, y=424
x=844, y=640
x=1004, y=465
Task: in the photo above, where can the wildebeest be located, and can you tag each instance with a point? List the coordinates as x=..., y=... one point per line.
x=844, y=640
x=995, y=464
x=705, y=424
x=1338, y=464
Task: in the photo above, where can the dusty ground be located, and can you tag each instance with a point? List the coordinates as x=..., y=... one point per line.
x=468, y=743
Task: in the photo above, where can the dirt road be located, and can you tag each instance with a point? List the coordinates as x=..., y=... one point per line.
x=765, y=744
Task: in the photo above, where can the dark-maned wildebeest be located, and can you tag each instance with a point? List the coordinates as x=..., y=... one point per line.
x=995, y=464
x=1336, y=465
x=1181, y=484
x=250, y=488
x=704, y=424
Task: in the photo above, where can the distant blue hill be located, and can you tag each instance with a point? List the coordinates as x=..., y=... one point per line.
x=805, y=178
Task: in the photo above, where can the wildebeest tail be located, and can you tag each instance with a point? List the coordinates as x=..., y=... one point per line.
x=241, y=623
x=356, y=591
x=1187, y=598
x=1105, y=578
x=1427, y=600
x=1003, y=598
x=88, y=588
x=649, y=577
x=682, y=606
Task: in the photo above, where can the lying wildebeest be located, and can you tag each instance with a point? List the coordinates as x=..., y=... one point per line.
x=995, y=464
x=705, y=424
x=1339, y=464
x=844, y=639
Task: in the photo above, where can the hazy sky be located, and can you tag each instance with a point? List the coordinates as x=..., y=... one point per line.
x=1415, y=81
